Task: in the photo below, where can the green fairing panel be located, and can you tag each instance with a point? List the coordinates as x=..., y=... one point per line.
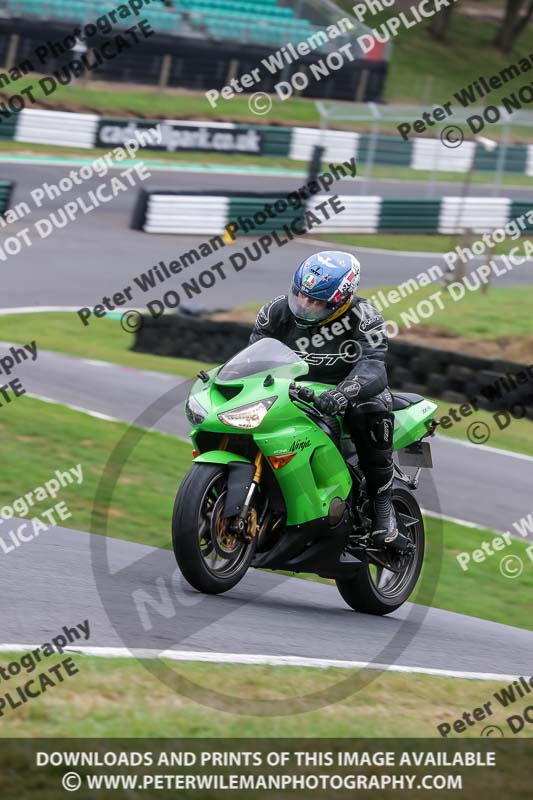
x=219, y=457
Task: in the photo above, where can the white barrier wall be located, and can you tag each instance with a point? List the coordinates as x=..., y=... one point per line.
x=186, y=214
x=57, y=127
x=476, y=213
x=339, y=145
x=430, y=154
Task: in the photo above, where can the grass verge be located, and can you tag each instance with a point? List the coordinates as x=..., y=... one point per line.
x=214, y=160
x=410, y=242
x=104, y=340
x=161, y=157
x=425, y=71
x=500, y=311
x=38, y=438
x=516, y=436
x=111, y=696
x=422, y=71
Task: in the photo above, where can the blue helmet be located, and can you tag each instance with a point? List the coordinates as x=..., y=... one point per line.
x=323, y=287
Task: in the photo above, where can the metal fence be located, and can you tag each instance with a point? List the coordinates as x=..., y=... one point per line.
x=450, y=146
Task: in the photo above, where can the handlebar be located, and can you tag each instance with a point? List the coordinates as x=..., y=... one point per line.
x=303, y=394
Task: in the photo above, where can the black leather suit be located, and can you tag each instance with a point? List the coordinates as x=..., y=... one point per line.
x=348, y=353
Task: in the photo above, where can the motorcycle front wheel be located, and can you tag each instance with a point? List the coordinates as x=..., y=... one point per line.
x=211, y=557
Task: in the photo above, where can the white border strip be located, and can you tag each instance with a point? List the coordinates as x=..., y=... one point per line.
x=37, y=309
x=455, y=520
x=271, y=660
x=96, y=414
x=486, y=447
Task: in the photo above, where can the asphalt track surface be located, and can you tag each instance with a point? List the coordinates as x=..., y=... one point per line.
x=468, y=482
x=98, y=255
x=265, y=614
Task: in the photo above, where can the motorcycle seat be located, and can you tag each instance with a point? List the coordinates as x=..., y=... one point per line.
x=404, y=400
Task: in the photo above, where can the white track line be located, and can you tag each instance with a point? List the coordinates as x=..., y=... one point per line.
x=37, y=309
x=486, y=447
x=380, y=251
x=277, y=661
x=96, y=414
x=456, y=520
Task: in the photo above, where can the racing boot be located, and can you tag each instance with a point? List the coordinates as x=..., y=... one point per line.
x=385, y=531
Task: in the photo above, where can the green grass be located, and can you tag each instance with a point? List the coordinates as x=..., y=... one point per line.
x=517, y=436
x=501, y=311
x=263, y=162
x=452, y=65
x=411, y=242
x=159, y=156
x=115, y=697
x=37, y=438
x=103, y=339
x=380, y=171
x=151, y=103
x=422, y=71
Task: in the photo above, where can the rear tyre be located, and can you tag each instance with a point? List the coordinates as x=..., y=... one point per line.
x=211, y=558
x=376, y=590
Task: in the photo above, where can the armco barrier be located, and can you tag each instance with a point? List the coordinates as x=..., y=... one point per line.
x=161, y=211
x=88, y=130
x=6, y=189
x=454, y=377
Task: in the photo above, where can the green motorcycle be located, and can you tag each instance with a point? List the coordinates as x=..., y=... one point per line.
x=276, y=485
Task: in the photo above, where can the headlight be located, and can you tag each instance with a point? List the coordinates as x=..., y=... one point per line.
x=250, y=416
x=194, y=412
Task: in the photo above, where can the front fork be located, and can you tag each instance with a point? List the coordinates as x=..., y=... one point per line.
x=238, y=524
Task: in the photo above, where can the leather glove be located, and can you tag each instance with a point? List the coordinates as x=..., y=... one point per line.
x=332, y=402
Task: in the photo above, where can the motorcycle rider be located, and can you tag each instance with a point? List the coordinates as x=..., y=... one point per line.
x=322, y=312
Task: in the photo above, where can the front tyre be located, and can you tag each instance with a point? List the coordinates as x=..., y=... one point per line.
x=377, y=590
x=211, y=558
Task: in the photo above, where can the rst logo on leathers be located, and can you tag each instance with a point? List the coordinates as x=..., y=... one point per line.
x=349, y=352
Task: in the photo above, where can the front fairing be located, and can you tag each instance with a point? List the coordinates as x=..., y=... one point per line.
x=317, y=472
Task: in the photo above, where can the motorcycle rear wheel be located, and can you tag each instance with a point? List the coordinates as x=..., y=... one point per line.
x=376, y=590
x=211, y=558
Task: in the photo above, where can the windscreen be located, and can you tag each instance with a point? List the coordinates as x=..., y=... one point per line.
x=266, y=354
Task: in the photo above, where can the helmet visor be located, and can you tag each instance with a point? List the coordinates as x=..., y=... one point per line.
x=306, y=309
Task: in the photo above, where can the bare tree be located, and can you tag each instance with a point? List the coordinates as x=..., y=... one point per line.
x=524, y=22
x=441, y=23
x=513, y=24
